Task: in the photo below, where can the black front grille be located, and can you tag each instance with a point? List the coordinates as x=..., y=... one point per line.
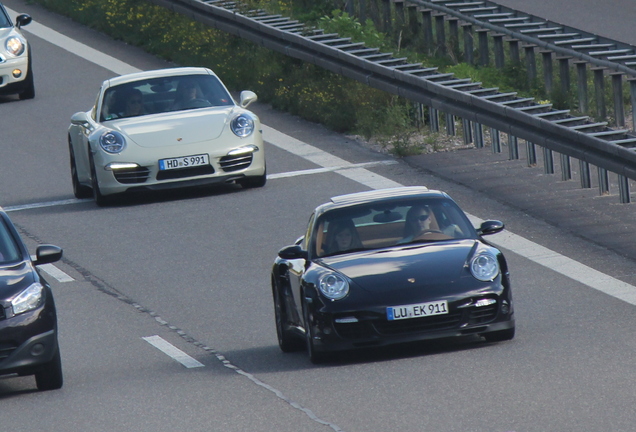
x=359, y=330
x=482, y=314
x=185, y=172
x=416, y=325
x=6, y=349
x=131, y=175
x=236, y=163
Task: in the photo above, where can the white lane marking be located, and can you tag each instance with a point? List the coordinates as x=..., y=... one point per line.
x=328, y=169
x=55, y=272
x=172, y=351
x=45, y=204
x=104, y=60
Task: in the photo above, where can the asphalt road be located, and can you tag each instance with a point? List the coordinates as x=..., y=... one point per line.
x=192, y=268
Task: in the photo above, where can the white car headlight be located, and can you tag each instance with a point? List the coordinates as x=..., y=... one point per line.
x=333, y=286
x=29, y=299
x=14, y=46
x=242, y=125
x=112, y=142
x=484, y=266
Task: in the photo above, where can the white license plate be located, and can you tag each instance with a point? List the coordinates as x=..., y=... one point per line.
x=184, y=162
x=417, y=310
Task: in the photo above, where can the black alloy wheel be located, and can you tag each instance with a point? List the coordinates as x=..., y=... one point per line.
x=287, y=341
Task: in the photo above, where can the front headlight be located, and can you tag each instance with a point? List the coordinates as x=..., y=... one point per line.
x=29, y=299
x=242, y=125
x=14, y=46
x=484, y=266
x=333, y=286
x=112, y=142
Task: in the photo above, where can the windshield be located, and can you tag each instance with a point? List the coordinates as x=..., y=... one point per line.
x=5, y=21
x=379, y=225
x=9, y=251
x=158, y=95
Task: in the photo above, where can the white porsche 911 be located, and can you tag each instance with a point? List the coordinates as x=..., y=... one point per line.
x=163, y=129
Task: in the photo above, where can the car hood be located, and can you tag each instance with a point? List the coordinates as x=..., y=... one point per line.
x=14, y=279
x=435, y=266
x=176, y=128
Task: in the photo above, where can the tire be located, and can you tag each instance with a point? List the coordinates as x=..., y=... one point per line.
x=29, y=90
x=254, y=182
x=50, y=377
x=287, y=341
x=500, y=336
x=79, y=190
x=100, y=199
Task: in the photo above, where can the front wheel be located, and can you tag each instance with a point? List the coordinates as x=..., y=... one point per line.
x=100, y=200
x=254, y=182
x=29, y=86
x=316, y=357
x=286, y=340
x=50, y=377
x=79, y=190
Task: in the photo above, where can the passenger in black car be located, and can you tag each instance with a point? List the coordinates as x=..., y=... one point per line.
x=341, y=236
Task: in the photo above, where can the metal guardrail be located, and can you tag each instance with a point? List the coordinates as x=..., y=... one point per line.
x=555, y=130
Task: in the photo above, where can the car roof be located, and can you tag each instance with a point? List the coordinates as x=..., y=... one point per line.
x=387, y=194
x=157, y=73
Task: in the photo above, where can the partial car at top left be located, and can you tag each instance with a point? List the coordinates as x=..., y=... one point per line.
x=16, y=74
x=28, y=317
x=164, y=129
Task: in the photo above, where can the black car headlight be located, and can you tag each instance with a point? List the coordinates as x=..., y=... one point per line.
x=484, y=266
x=29, y=299
x=112, y=142
x=242, y=125
x=14, y=46
x=333, y=286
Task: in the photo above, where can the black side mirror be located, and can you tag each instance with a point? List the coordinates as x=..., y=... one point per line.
x=46, y=254
x=490, y=227
x=22, y=20
x=293, y=252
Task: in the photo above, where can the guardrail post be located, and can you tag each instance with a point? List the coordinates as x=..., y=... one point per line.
x=632, y=94
x=581, y=73
x=468, y=43
x=531, y=64
x=623, y=189
x=468, y=132
x=599, y=91
x=586, y=178
x=478, y=135
x=484, y=56
x=513, y=148
x=603, y=181
x=566, y=168
x=547, y=71
x=513, y=46
x=433, y=115
x=564, y=74
x=531, y=154
x=499, y=50
x=453, y=38
x=617, y=89
x=450, y=125
x=495, y=140
x=427, y=24
x=548, y=161
x=440, y=33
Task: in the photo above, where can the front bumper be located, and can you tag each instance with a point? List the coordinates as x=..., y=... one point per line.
x=338, y=332
x=10, y=84
x=26, y=358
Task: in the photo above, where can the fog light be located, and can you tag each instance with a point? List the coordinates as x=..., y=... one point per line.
x=505, y=308
x=17, y=73
x=37, y=349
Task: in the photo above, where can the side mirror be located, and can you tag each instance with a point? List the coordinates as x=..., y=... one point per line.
x=22, y=20
x=247, y=97
x=79, y=119
x=293, y=252
x=490, y=227
x=46, y=254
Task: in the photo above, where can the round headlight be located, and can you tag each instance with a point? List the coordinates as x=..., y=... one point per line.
x=333, y=286
x=484, y=266
x=14, y=46
x=242, y=125
x=112, y=142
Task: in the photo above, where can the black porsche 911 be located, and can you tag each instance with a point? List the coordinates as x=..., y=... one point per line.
x=390, y=266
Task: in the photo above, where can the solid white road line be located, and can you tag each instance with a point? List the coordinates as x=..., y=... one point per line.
x=55, y=272
x=172, y=351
